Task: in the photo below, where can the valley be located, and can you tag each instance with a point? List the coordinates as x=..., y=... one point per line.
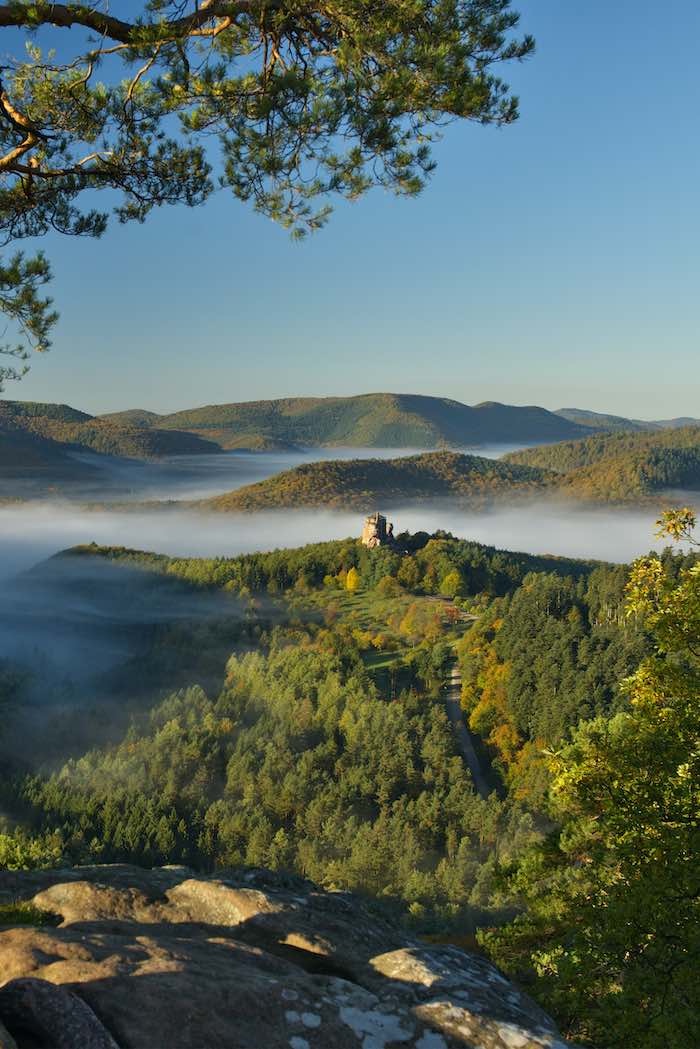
x=201, y=665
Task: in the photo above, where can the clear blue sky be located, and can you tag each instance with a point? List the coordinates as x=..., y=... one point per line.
x=555, y=262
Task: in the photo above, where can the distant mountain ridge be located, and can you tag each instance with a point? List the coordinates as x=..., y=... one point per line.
x=612, y=423
x=370, y=420
x=390, y=420
x=40, y=439
x=621, y=466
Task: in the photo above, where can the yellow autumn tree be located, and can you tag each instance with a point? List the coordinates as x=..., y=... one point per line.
x=352, y=580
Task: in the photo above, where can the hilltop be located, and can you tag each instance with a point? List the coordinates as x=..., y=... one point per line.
x=132, y=417
x=387, y=420
x=371, y=420
x=620, y=466
x=40, y=437
x=615, y=467
x=362, y=483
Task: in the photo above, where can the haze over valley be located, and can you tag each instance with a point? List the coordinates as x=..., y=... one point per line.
x=349, y=686
x=73, y=620
x=73, y=488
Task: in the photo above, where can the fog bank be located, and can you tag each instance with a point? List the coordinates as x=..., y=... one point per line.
x=32, y=532
x=185, y=477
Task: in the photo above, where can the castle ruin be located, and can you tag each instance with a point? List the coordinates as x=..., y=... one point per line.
x=376, y=531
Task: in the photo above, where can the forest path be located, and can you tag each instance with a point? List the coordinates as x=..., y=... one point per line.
x=466, y=745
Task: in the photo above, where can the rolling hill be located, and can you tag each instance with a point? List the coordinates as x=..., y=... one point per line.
x=388, y=420
x=621, y=467
x=606, y=468
x=614, y=423
x=370, y=420
x=27, y=454
x=43, y=434
x=360, y=484
x=367, y=421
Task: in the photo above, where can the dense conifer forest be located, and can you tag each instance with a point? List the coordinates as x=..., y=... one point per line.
x=298, y=721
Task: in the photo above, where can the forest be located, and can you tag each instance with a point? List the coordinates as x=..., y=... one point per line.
x=621, y=467
x=322, y=744
x=606, y=469
x=360, y=484
x=31, y=433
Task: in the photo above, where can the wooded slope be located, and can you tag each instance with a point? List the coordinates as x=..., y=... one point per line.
x=362, y=483
x=621, y=466
x=371, y=420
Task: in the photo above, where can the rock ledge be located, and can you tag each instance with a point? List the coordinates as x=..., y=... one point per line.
x=245, y=959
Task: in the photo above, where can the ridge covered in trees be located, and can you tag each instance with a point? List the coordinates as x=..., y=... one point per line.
x=612, y=423
x=33, y=433
x=621, y=466
x=371, y=420
x=363, y=483
x=607, y=468
x=365, y=421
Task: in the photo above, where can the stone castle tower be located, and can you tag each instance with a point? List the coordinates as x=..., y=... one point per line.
x=376, y=532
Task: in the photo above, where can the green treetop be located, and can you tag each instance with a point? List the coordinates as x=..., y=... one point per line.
x=610, y=932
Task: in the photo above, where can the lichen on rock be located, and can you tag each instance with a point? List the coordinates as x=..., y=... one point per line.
x=244, y=958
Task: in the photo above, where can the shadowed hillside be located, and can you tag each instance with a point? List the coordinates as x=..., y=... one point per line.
x=37, y=430
x=27, y=453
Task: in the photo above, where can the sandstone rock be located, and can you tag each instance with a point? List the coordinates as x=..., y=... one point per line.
x=41, y=1010
x=6, y=1039
x=376, y=532
x=249, y=959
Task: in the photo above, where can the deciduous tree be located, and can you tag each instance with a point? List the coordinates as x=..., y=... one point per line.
x=610, y=931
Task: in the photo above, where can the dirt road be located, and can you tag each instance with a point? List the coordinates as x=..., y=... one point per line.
x=464, y=739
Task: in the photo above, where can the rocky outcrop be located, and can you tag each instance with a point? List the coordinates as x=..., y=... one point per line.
x=376, y=532
x=245, y=959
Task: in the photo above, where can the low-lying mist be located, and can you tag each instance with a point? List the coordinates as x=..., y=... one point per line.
x=31, y=532
x=184, y=477
x=92, y=636
x=85, y=643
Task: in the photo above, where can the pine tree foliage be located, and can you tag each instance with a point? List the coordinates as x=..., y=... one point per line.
x=283, y=103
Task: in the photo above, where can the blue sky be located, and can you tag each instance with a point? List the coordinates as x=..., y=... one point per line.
x=554, y=262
